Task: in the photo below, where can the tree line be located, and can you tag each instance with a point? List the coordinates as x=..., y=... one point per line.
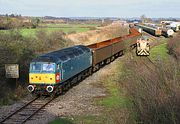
x=17, y=21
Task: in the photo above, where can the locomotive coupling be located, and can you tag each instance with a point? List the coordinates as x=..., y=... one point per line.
x=30, y=88
x=49, y=89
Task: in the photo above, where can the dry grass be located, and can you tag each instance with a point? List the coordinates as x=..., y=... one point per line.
x=153, y=89
x=174, y=46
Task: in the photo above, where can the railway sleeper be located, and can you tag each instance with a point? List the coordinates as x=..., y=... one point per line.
x=31, y=110
x=20, y=118
x=25, y=114
x=14, y=122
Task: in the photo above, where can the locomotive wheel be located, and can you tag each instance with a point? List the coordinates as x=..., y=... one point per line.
x=59, y=90
x=112, y=58
x=108, y=61
x=121, y=53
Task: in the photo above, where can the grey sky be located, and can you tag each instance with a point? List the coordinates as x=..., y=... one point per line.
x=92, y=8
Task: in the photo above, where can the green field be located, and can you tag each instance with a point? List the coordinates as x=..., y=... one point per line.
x=66, y=28
x=32, y=32
x=69, y=25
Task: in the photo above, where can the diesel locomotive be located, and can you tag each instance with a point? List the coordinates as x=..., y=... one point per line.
x=143, y=46
x=57, y=71
x=49, y=71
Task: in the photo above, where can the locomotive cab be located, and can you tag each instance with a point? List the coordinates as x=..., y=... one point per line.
x=143, y=47
x=45, y=73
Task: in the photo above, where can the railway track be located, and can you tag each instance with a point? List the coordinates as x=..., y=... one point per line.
x=151, y=61
x=26, y=112
x=147, y=61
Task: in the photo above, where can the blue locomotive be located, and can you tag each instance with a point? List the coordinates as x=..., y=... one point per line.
x=52, y=71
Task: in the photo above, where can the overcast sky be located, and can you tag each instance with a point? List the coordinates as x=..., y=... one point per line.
x=92, y=8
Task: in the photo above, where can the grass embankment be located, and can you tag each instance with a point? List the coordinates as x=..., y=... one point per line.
x=78, y=120
x=159, y=52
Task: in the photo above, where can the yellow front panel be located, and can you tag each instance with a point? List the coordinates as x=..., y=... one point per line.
x=42, y=78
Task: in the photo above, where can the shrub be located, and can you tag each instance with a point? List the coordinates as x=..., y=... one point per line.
x=154, y=90
x=174, y=46
x=51, y=41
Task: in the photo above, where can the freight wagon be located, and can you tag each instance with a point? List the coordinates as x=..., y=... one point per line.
x=106, y=51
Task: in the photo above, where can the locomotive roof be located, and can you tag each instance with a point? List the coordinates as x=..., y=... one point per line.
x=62, y=54
x=144, y=26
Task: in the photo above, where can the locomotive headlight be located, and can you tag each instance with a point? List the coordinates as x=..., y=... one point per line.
x=30, y=88
x=49, y=89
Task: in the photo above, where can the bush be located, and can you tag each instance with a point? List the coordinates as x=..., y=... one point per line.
x=174, y=46
x=154, y=90
x=50, y=41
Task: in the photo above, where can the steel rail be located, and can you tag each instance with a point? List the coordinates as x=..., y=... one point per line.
x=6, y=118
x=29, y=116
x=38, y=110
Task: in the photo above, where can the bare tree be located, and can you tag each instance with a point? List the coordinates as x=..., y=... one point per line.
x=143, y=18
